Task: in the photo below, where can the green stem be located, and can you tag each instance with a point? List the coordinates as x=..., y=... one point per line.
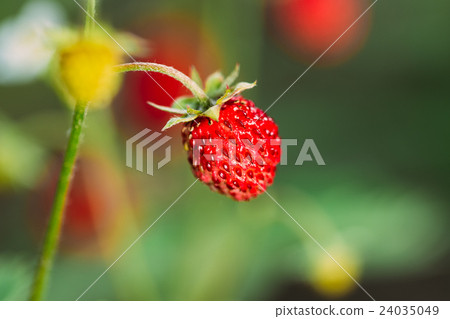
x=167, y=70
x=89, y=24
x=51, y=240
x=54, y=225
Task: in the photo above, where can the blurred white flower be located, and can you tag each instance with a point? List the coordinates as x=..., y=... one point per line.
x=25, y=49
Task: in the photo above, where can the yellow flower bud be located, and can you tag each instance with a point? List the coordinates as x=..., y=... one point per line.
x=86, y=70
x=329, y=279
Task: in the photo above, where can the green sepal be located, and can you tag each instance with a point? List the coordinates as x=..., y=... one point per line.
x=213, y=112
x=229, y=80
x=217, y=88
x=192, y=111
x=214, y=84
x=181, y=102
x=167, y=109
x=241, y=86
x=195, y=76
x=177, y=120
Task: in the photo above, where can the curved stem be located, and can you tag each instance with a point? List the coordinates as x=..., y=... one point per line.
x=167, y=70
x=55, y=222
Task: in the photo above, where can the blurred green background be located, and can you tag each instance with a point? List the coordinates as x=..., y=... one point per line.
x=377, y=107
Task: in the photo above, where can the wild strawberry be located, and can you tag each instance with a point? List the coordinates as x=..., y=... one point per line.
x=232, y=146
x=245, y=164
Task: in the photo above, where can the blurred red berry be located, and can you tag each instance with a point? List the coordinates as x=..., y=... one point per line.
x=92, y=203
x=173, y=40
x=309, y=27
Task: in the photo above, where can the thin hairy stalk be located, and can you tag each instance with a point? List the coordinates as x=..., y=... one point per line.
x=169, y=71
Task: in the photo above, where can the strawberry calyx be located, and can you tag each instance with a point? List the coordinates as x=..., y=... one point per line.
x=219, y=90
x=207, y=102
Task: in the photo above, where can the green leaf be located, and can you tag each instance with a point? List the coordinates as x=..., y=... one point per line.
x=177, y=120
x=167, y=109
x=213, y=112
x=214, y=84
x=195, y=76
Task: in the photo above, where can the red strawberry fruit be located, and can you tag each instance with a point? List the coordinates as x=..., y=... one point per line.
x=250, y=149
x=232, y=146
